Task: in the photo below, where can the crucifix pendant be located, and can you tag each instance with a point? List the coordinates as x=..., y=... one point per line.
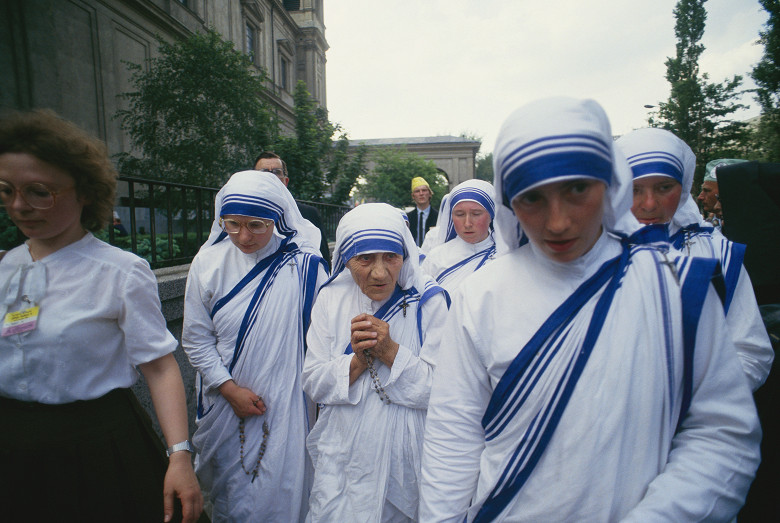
x=292, y=266
x=404, y=306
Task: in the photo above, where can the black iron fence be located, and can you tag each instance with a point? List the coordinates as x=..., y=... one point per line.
x=166, y=223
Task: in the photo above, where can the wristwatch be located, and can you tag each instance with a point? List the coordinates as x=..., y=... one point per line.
x=184, y=445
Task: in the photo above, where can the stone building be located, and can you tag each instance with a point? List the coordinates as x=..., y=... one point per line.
x=454, y=156
x=67, y=55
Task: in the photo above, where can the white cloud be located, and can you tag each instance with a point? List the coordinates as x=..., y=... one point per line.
x=412, y=68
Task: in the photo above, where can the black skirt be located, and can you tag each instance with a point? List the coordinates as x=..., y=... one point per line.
x=95, y=460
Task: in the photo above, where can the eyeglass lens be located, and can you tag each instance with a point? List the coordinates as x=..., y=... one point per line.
x=37, y=195
x=255, y=226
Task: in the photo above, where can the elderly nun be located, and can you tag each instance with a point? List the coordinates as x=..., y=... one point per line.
x=372, y=350
x=571, y=390
x=247, y=307
x=465, y=219
x=662, y=166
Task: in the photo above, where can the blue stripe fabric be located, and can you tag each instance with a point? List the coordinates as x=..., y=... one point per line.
x=655, y=163
x=696, y=274
x=485, y=254
x=528, y=367
x=552, y=157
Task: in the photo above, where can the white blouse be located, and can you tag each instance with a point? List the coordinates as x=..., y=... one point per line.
x=99, y=318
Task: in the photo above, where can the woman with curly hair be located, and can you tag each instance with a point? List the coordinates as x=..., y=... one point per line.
x=79, y=316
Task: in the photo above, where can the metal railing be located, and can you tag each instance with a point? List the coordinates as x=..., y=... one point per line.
x=168, y=222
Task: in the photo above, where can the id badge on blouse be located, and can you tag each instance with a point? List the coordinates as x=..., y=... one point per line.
x=21, y=321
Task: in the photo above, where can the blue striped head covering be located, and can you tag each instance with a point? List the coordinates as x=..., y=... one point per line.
x=376, y=227
x=554, y=140
x=658, y=152
x=260, y=194
x=478, y=191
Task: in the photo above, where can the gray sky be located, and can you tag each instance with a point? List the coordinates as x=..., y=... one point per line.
x=406, y=68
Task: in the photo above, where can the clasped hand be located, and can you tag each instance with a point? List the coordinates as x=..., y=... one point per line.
x=373, y=335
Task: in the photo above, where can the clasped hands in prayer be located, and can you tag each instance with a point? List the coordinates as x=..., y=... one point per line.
x=244, y=401
x=373, y=335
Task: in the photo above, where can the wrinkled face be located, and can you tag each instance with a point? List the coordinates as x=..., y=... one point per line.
x=61, y=223
x=656, y=199
x=246, y=241
x=708, y=196
x=422, y=196
x=376, y=274
x=562, y=219
x=275, y=166
x=471, y=221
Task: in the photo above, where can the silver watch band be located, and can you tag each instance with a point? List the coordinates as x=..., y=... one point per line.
x=184, y=445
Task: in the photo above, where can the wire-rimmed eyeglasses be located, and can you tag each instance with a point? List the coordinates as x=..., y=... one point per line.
x=257, y=226
x=36, y=195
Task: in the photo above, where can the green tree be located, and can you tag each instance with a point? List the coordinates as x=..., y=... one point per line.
x=197, y=113
x=484, y=168
x=345, y=169
x=766, y=74
x=697, y=111
x=319, y=168
x=391, y=180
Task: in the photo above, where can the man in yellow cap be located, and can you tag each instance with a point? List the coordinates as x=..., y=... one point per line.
x=424, y=216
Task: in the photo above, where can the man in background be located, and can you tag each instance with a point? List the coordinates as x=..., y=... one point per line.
x=271, y=162
x=708, y=197
x=424, y=216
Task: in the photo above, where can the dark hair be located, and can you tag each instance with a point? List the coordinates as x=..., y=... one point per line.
x=270, y=154
x=51, y=139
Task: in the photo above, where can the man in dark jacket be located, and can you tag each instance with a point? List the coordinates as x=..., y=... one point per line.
x=424, y=216
x=271, y=162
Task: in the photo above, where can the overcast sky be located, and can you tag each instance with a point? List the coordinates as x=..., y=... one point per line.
x=408, y=68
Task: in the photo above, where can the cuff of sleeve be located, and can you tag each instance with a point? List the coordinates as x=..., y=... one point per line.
x=401, y=361
x=352, y=393
x=216, y=378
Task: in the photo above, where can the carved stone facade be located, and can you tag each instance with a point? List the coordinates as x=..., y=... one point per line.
x=453, y=156
x=67, y=55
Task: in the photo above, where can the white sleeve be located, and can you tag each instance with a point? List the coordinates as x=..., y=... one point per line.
x=326, y=367
x=715, y=454
x=140, y=318
x=749, y=333
x=409, y=384
x=454, y=437
x=198, y=337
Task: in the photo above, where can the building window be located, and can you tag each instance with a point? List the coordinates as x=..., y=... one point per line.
x=251, y=42
x=284, y=73
x=292, y=5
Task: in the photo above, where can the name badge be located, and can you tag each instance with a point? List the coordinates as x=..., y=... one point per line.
x=20, y=321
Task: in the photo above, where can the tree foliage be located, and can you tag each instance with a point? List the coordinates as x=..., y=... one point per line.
x=484, y=168
x=391, y=180
x=766, y=74
x=319, y=168
x=697, y=110
x=197, y=113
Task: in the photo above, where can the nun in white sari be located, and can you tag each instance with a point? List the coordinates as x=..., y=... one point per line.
x=589, y=374
x=373, y=346
x=662, y=166
x=465, y=221
x=247, y=307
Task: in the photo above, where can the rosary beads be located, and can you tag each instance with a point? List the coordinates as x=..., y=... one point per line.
x=375, y=378
x=242, y=439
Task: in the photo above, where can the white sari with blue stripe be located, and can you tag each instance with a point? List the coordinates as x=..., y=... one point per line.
x=245, y=319
x=549, y=411
x=366, y=453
